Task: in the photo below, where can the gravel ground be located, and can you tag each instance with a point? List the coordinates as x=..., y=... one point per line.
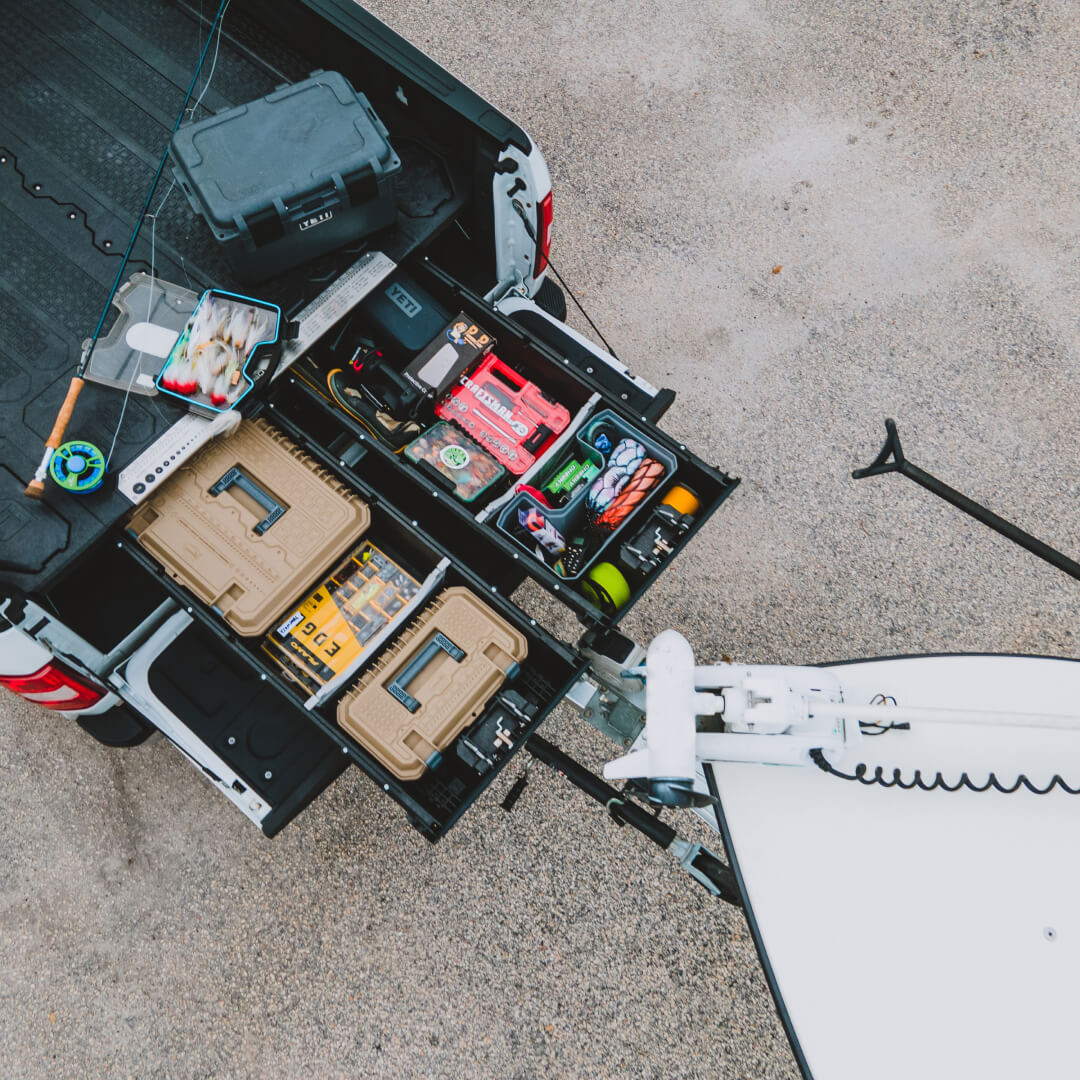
x=803, y=218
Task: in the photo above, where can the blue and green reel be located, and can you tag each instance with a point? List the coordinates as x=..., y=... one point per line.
x=78, y=467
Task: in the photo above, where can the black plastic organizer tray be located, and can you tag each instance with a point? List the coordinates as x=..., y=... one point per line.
x=424, y=495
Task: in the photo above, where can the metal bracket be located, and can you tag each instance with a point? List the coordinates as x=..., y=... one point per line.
x=608, y=698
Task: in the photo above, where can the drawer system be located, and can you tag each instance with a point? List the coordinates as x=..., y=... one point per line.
x=471, y=455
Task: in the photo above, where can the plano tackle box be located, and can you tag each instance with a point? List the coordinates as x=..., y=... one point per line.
x=302, y=171
x=433, y=682
x=248, y=523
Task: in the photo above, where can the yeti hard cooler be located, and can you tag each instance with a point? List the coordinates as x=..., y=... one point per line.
x=302, y=171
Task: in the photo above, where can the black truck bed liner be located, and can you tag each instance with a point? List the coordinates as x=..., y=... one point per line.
x=89, y=94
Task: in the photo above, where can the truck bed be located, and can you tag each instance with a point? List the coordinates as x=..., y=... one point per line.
x=88, y=99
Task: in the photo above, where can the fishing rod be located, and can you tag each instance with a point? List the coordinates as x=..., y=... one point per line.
x=899, y=463
x=36, y=488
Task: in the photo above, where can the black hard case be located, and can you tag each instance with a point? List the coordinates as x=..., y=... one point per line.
x=302, y=171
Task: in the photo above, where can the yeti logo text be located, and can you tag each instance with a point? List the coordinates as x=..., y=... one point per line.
x=409, y=304
x=316, y=219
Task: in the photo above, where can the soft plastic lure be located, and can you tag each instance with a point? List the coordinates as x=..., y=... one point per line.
x=646, y=476
x=621, y=465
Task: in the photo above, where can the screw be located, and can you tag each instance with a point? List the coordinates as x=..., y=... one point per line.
x=1049, y=933
x=71, y=216
x=231, y=740
x=344, y=749
x=106, y=243
x=386, y=787
x=37, y=187
x=589, y=370
x=268, y=775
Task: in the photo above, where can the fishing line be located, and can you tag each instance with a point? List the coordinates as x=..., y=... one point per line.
x=150, y=194
x=570, y=292
x=213, y=63
x=149, y=311
x=154, y=216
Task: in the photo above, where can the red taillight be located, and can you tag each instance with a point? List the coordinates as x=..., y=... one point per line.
x=543, y=233
x=55, y=686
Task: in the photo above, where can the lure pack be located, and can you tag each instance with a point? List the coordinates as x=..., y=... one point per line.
x=460, y=343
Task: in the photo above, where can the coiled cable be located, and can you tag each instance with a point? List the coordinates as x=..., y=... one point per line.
x=863, y=775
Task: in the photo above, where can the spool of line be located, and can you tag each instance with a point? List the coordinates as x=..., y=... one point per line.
x=78, y=467
x=682, y=500
x=606, y=587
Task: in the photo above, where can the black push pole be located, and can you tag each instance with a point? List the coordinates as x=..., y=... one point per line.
x=899, y=463
x=626, y=812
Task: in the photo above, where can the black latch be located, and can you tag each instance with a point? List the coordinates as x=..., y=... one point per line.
x=264, y=226
x=361, y=185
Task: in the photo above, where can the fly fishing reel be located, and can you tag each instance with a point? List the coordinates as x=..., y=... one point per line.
x=78, y=467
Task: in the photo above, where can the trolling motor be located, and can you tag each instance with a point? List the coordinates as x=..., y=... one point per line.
x=772, y=715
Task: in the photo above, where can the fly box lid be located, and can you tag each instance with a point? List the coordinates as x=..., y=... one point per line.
x=248, y=524
x=303, y=170
x=432, y=682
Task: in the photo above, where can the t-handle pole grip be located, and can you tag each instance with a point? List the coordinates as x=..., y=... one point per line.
x=891, y=449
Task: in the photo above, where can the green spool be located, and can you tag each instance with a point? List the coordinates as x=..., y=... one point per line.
x=605, y=586
x=78, y=467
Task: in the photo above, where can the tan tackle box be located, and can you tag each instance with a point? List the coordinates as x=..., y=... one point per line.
x=248, y=524
x=432, y=682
